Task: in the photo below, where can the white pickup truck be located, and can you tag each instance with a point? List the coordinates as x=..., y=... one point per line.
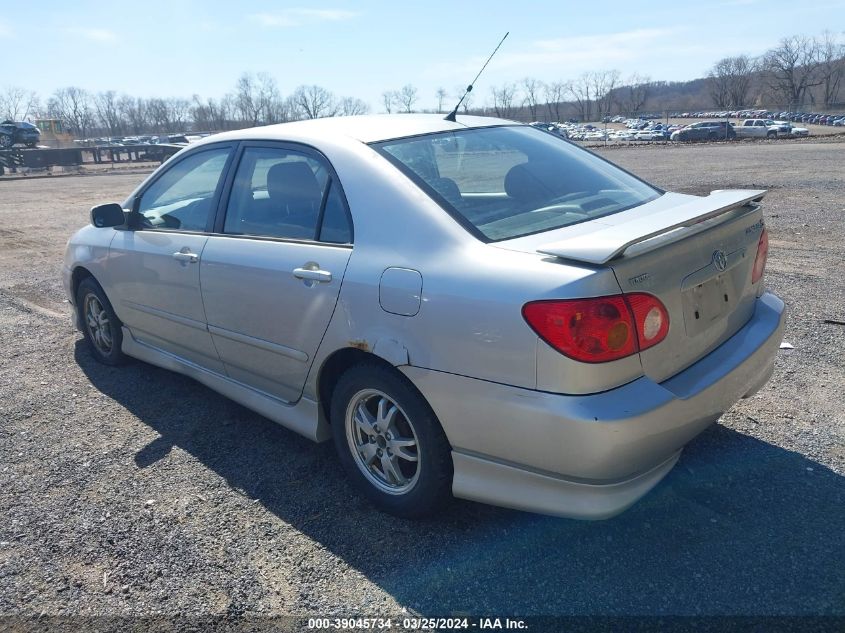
x=759, y=128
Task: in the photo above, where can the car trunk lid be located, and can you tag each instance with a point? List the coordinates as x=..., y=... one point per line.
x=693, y=253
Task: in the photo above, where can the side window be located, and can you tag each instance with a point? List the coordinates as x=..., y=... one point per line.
x=182, y=197
x=281, y=193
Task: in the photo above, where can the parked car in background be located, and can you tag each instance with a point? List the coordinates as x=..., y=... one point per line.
x=781, y=128
x=648, y=135
x=756, y=128
x=18, y=133
x=704, y=131
x=474, y=308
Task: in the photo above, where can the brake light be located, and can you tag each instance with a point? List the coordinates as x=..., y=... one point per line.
x=762, y=256
x=601, y=329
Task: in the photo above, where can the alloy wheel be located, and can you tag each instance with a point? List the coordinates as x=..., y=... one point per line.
x=382, y=441
x=98, y=324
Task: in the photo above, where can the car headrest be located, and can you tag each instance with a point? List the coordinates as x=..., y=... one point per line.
x=295, y=186
x=448, y=188
x=522, y=182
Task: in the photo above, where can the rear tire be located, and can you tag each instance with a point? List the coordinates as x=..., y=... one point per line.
x=389, y=442
x=100, y=325
x=5, y=141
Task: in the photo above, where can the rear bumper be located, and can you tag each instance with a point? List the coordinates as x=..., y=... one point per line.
x=592, y=456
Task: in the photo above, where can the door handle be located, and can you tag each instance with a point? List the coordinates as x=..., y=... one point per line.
x=188, y=258
x=310, y=274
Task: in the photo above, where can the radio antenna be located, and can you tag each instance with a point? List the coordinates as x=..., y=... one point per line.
x=451, y=116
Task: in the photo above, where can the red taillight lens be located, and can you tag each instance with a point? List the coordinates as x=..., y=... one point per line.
x=762, y=256
x=601, y=329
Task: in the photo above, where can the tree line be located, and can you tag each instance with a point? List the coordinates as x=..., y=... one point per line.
x=800, y=71
x=255, y=100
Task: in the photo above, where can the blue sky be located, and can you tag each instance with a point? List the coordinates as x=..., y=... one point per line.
x=182, y=47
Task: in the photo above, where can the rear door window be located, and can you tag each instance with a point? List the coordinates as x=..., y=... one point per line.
x=283, y=193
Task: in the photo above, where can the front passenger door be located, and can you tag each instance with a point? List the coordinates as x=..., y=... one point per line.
x=156, y=265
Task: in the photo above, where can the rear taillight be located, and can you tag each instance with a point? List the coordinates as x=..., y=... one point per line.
x=601, y=329
x=651, y=318
x=762, y=255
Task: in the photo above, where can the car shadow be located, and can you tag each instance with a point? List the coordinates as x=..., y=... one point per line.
x=739, y=526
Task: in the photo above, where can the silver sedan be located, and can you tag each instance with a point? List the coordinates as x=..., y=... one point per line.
x=474, y=308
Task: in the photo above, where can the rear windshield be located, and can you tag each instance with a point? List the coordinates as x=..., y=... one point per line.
x=506, y=182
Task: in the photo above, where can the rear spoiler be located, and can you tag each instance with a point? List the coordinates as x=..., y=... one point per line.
x=608, y=242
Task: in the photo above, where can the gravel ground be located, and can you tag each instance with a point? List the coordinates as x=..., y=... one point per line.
x=135, y=491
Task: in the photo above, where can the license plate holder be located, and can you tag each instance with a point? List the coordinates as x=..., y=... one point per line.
x=705, y=304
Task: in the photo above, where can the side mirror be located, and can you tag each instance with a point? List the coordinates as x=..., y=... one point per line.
x=107, y=215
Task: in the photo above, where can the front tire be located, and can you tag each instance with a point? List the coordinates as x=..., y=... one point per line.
x=390, y=442
x=100, y=324
x=5, y=141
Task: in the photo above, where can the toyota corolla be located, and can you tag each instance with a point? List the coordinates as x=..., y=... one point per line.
x=474, y=308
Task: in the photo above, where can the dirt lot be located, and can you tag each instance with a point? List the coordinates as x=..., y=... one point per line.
x=139, y=492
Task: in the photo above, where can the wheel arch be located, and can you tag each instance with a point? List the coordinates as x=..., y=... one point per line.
x=79, y=274
x=340, y=361
x=333, y=368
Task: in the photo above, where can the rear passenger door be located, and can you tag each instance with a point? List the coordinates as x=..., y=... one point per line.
x=272, y=271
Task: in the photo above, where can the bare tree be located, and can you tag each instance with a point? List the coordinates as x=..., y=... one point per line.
x=72, y=105
x=350, y=106
x=792, y=68
x=226, y=108
x=133, y=114
x=211, y=114
x=466, y=104
x=158, y=114
x=503, y=99
x=441, y=97
x=531, y=95
x=315, y=102
x=553, y=93
x=178, y=113
x=388, y=98
x=635, y=93
x=268, y=101
x=831, y=57
x=108, y=114
x=729, y=81
x=604, y=83
x=279, y=110
x=248, y=99
x=407, y=97
x=718, y=82
x=582, y=92
x=742, y=71
x=17, y=103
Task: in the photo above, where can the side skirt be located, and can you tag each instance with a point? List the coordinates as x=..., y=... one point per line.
x=301, y=417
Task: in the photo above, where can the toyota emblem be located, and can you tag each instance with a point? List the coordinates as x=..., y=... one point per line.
x=720, y=260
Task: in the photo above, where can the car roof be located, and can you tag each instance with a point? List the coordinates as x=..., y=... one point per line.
x=366, y=128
